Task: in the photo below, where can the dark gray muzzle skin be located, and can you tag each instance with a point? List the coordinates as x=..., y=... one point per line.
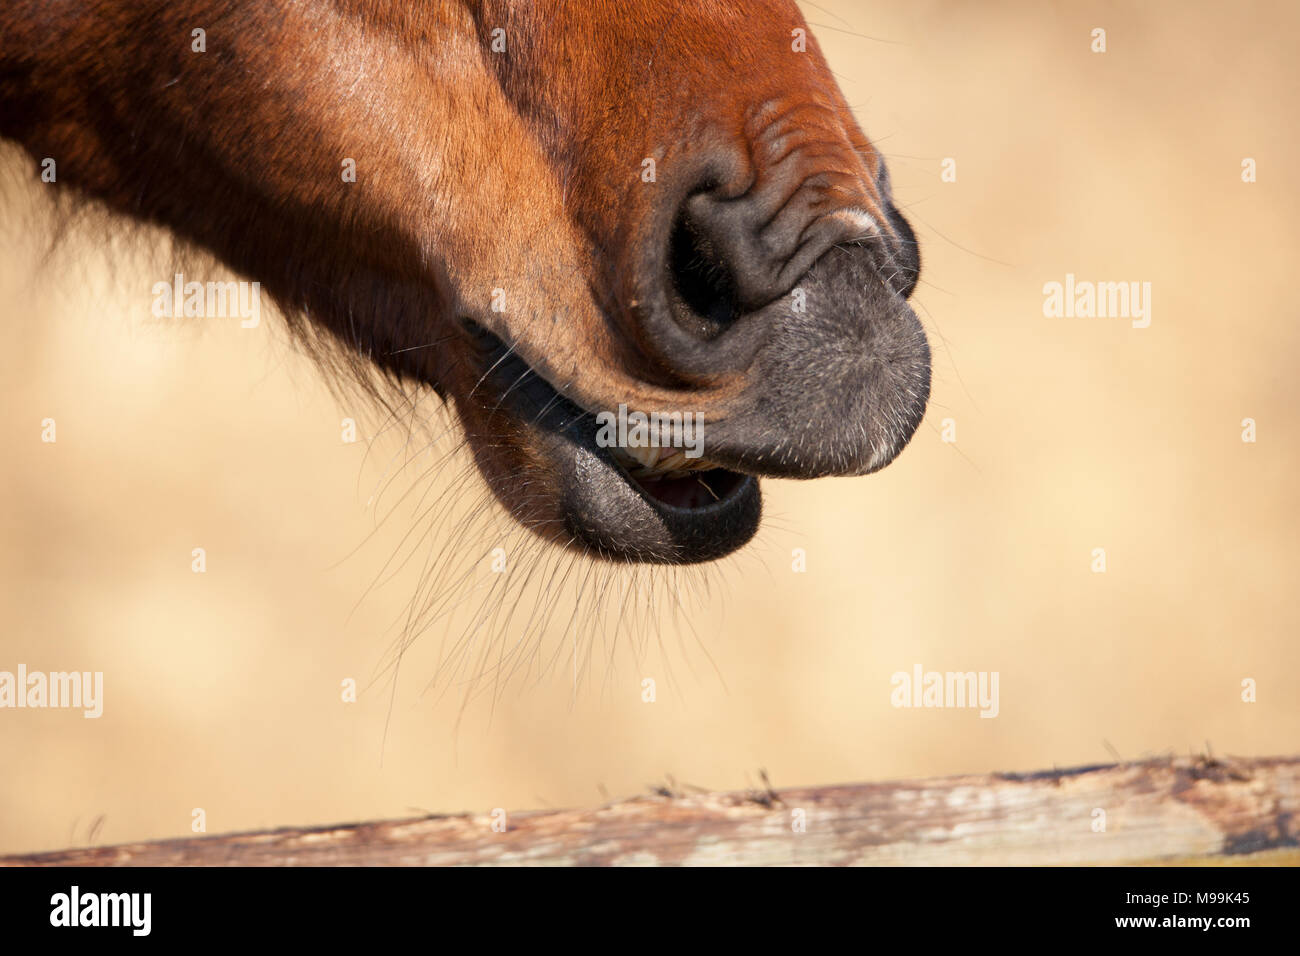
x=837, y=388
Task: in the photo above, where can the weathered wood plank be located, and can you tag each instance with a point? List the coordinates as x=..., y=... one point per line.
x=1179, y=811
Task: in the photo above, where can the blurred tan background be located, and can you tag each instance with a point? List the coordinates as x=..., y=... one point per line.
x=222, y=689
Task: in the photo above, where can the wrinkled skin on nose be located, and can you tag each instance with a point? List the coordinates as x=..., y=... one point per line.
x=719, y=127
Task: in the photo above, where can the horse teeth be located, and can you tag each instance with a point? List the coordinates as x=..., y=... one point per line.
x=647, y=457
x=649, y=462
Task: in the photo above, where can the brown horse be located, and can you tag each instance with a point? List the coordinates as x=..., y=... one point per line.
x=543, y=209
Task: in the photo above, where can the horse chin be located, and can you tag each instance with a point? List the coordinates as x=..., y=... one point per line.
x=539, y=453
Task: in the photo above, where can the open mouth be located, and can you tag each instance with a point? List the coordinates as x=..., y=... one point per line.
x=672, y=479
x=643, y=504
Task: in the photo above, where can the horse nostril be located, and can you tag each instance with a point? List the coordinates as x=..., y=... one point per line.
x=701, y=285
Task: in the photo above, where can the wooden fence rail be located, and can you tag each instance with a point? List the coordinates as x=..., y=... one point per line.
x=1193, y=810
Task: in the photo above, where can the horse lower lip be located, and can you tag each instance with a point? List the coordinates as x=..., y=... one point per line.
x=609, y=506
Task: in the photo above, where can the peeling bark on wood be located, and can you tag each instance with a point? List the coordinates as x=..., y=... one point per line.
x=1184, y=811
